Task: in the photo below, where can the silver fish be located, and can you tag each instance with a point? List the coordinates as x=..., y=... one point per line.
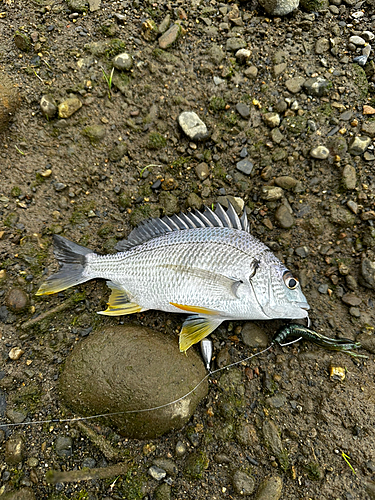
x=205, y=264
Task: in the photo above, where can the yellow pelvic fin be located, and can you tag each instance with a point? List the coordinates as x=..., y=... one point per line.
x=195, y=309
x=196, y=328
x=119, y=303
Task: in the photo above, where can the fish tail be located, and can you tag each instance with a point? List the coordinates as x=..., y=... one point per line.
x=72, y=259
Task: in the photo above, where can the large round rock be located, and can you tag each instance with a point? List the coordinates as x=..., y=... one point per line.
x=128, y=368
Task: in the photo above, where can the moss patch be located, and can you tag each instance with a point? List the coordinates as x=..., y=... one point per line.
x=156, y=141
x=360, y=80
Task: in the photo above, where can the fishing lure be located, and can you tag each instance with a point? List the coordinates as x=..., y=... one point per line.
x=303, y=332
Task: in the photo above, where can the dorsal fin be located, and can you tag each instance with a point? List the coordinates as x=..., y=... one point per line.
x=233, y=217
x=152, y=228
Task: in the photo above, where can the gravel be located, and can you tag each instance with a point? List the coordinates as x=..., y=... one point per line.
x=266, y=89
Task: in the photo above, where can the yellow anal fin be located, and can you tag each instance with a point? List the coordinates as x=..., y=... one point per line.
x=119, y=303
x=196, y=328
x=128, y=308
x=195, y=309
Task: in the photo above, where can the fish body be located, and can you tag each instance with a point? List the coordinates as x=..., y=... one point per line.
x=204, y=264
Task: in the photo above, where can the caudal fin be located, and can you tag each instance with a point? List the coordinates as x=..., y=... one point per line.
x=72, y=259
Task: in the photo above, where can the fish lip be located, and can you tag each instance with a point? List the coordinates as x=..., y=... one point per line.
x=303, y=305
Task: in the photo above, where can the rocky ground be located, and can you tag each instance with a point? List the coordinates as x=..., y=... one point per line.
x=287, y=105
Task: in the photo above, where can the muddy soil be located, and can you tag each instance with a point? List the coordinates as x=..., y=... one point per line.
x=114, y=154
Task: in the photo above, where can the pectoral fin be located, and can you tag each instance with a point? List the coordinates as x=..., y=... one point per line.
x=214, y=282
x=119, y=303
x=196, y=328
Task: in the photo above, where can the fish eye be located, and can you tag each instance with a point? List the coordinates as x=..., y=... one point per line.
x=289, y=280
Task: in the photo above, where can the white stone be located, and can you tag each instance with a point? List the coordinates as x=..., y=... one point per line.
x=243, y=55
x=320, y=153
x=279, y=7
x=192, y=125
x=357, y=40
x=123, y=62
x=368, y=35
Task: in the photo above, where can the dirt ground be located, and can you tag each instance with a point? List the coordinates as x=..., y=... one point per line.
x=298, y=413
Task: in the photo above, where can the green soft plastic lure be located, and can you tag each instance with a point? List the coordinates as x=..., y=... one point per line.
x=303, y=332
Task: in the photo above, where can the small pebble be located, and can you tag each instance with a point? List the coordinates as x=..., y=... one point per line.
x=123, y=62
x=276, y=136
x=351, y=282
x=337, y=373
x=359, y=144
x=180, y=449
x=15, y=353
x=320, y=153
x=361, y=60
x=192, y=125
x=170, y=36
x=349, y=177
x=167, y=465
x=223, y=357
x=366, y=51
x=15, y=416
x=270, y=489
x=243, y=153
x=89, y=462
x=317, y=86
x=302, y=251
x=253, y=335
x=295, y=84
x=355, y=312
x=202, y=171
x=162, y=492
x=48, y=106
x=357, y=40
x=32, y=462
x=279, y=7
x=243, y=110
x=286, y=182
x=284, y=218
x=17, y=300
x=271, y=435
x=243, y=55
x=243, y=484
x=221, y=458
x=251, y=72
x=245, y=166
x=368, y=36
x=271, y=119
x=68, y=107
x=271, y=193
x=63, y=446
x=351, y=300
x=14, y=450
x=343, y=269
x=157, y=473
x=194, y=439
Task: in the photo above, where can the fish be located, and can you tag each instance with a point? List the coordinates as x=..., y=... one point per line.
x=203, y=263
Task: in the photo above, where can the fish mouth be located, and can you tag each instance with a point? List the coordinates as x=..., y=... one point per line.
x=303, y=305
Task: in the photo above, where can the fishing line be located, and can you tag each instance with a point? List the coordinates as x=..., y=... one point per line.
x=76, y=419
x=290, y=343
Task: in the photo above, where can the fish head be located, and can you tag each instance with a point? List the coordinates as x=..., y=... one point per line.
x=276, y=290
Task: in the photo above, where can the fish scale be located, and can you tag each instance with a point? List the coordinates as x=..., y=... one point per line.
x=205, y=264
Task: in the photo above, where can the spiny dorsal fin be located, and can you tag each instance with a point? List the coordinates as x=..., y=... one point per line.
x=152, y=228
